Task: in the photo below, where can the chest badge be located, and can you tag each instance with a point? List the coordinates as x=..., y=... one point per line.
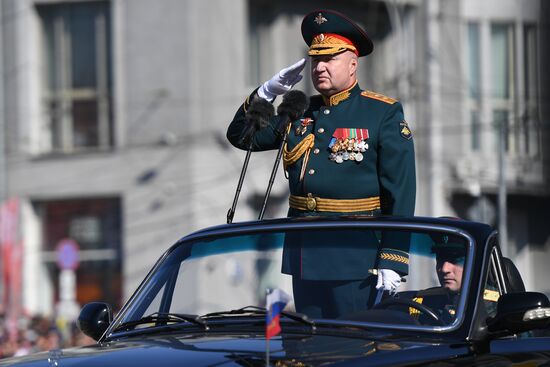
x=302, y=128
x=348, y=144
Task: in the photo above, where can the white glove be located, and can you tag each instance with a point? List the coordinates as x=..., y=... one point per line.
x=388, y=280
x=282, y=82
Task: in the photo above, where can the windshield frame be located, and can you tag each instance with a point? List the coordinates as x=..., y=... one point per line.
x=260, y=227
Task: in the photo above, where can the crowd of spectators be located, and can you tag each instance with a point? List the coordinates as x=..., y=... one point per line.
x=36, y=333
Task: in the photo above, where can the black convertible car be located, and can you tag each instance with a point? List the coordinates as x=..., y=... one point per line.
x=204, y=302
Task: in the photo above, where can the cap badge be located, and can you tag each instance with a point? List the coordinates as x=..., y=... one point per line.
x=320, y=19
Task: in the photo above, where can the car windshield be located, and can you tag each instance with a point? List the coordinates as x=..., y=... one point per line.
x=329, y=274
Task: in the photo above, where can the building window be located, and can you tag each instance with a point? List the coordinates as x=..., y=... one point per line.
x=501, y=121
x=76, y=76
x=530, y=115
x=474, y=90
x=502, y=79
x=475, y=130
x=502, y=65
x=503, y=91
x=94, y=225
x=474, y=61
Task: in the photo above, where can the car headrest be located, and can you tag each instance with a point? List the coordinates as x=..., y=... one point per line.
x=511, y=274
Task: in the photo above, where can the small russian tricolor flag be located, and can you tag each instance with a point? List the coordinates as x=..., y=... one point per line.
x=276, y=302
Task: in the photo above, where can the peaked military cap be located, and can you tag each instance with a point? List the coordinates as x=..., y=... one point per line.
x=328, y=32
x=448, y=244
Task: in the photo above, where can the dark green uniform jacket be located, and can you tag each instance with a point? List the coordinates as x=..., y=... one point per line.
x=386, y=169
x=444, y=303
x=438, y=299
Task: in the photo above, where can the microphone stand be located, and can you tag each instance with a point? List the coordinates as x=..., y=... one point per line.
x=274, y=170
x=258, y=116
x=231, y=211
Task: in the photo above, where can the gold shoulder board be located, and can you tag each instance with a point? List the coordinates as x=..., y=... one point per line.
x=490, y=295
x=378, y=96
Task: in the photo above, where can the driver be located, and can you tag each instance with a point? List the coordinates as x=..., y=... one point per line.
x=450, y=255
x=449, y=265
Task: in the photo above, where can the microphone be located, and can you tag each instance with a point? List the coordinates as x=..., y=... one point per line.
x=294, y=104
x=257, y=117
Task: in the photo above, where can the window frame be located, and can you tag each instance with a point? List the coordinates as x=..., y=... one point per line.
x=520, y=102
x=59, y=96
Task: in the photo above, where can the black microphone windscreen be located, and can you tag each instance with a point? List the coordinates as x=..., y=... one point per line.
x=259, y=113
x=257, y=117
x=294, y=104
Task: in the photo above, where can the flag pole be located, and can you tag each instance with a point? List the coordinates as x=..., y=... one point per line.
x=267, y=290
x=266, y=352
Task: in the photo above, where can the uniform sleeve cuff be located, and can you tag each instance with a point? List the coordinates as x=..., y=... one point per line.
x=248, y=101
x=394, y=259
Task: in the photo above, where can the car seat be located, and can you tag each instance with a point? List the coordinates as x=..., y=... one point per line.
x=514, y=283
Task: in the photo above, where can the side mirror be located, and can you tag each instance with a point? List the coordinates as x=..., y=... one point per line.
x=519, y=312
x=94, y=319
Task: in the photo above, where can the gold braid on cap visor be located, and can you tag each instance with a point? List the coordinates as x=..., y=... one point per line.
x=330, y=44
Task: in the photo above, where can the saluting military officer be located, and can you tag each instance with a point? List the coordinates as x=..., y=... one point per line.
x=350, y=153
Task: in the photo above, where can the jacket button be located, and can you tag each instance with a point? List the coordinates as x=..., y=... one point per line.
x=311, y=171
x=326, y=111
x=316, y=151
x=321, y=130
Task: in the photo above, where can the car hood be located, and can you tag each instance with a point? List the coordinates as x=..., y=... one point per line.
x=244, y=350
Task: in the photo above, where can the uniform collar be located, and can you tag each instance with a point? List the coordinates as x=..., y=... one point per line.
x=335, y=99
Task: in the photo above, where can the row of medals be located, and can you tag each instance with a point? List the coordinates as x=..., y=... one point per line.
x=348, y=149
